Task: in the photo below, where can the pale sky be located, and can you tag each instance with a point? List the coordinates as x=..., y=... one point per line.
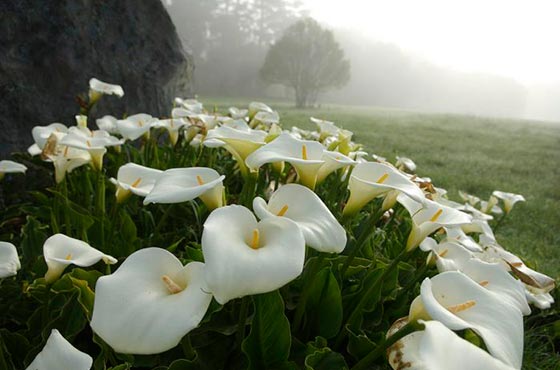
x=514, y=38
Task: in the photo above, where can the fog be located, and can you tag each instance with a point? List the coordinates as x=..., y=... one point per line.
x=229, y=41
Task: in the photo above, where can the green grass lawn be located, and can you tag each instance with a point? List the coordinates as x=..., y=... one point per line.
x=474, y=154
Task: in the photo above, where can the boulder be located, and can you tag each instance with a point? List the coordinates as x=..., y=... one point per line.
x=50, y=49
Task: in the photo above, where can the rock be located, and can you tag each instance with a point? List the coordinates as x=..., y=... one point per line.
x=50, y=49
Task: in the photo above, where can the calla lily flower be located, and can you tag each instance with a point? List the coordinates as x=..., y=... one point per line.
x=172, y=126
x=320, y=228
x=496, y=279
x=244, y=257
x=539, y=282
x=473, y=200
x=150, y=302
x=429, y=217
x=58, y=354
x=60, y=251
x=490, y=206
x=64, y=158
x=405, y=164
x=237, y=113
x=540, y=300
x=7, y=166
x=438, y=348
x=135, y=126
x=41, y=135
x=183, y=184
x=326, y=128
x=448, y=255
x=265, y=118
x=191, y=105
x=256, y=107
x=98, y=88
x=238, y=139
x=108, y=123
x=456, y=234
x=9, y=260
x=135, y=179
x=509, y=199
x=373, y=179
x=459, y=303
x=95, y=143
x=309, y=158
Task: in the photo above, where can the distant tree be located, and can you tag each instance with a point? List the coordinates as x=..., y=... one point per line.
x=308, y=59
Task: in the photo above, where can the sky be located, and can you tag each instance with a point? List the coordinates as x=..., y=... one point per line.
x=512, y=38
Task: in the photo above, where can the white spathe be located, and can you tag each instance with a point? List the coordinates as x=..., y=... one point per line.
x=60, y=251
x=135, y=126
x=9, y=260
x=178, y=185
x=245, y=257
x=59, y=354
x=372, y=179
x=509, y=199
x=438, y=348
x=298, y=203
x=150, y=302
x=136, y=179
x=105, y=88
x=459, y=303
x=7, y=166
x=428, y=217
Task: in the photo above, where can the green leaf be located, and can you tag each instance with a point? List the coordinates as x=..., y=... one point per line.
x=268, y=344
x=325, y=359
x=324, y=305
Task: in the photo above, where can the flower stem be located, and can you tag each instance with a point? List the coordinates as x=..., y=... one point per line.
x=243, y=311
x=367, y=230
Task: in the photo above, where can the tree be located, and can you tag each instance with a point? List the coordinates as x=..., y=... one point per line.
x=308, y=59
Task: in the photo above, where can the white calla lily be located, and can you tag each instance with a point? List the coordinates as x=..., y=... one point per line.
x=320, y=228
x=429, y=217
x=495, y=253
x=135, y=179
x=7, y=166
x=373, y=179
x=265, y=118
x=237, y=113
x=244, y=257
x=238, y=139
x=309, y=158
x=183, y=184
x=256, y=107
x=135, y=126
x=509, y=199
x=42, y=133
x=496, y=279
x=438, y=348
x=60, y=251
x=58, y=354
x=473, y=200
x=107, y=123
x=448, y=255
x=457, y=234
x=539, y=300
x=95, y=143
x=405, y=164
x=150, y=302
x=172, y=125
x=9, y=260
x=103, y=88
x=459, y=303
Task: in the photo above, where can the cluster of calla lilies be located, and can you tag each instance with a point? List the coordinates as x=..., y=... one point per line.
x=257, y=246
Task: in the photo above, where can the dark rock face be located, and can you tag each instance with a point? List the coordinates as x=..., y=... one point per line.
x=50, y=49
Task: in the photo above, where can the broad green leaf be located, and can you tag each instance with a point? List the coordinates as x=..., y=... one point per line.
x=324, y=305
x=268, y=344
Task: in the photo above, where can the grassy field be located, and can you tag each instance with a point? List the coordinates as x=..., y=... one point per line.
x=474, y=154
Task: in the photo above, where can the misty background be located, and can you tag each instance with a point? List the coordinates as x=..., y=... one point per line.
x=229, y=41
